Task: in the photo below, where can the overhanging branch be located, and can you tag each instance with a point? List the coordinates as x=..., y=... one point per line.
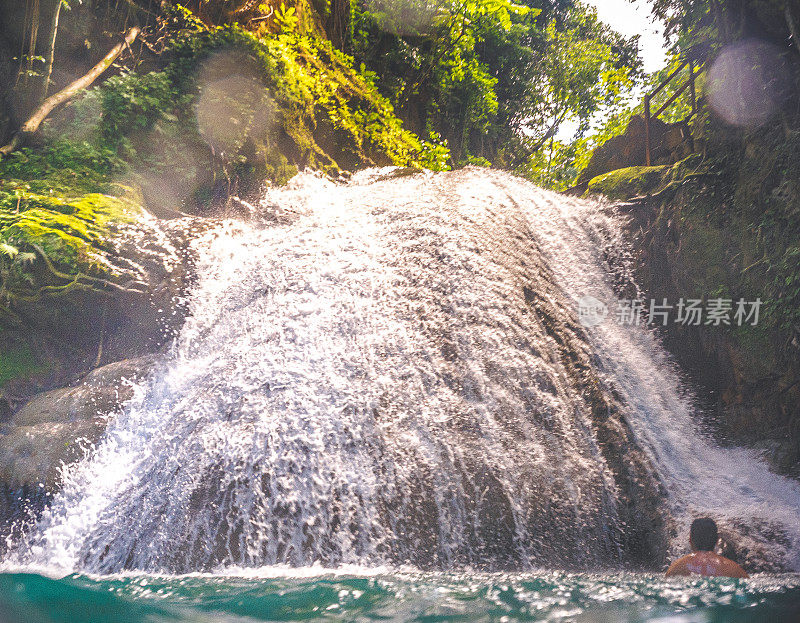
x=40, y=114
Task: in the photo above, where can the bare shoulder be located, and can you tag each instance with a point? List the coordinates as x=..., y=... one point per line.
x=706, y=564
x=679, y=566
x=733, y=570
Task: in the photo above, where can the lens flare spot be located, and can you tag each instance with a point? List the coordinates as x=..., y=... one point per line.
x=233, y=104
x=406, y=17
x=747, y=83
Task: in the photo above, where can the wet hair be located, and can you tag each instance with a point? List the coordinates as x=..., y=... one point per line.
x=703, y=534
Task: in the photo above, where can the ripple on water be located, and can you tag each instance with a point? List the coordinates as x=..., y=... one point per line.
x=282, y=595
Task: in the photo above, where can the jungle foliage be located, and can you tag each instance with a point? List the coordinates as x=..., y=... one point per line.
x=486, y=81
x=495, y=79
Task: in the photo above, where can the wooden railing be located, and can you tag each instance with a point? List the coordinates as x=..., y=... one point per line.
x=649, y=96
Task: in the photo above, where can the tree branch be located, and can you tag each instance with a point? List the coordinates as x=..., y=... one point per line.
x=40, y=114
x=550, y=133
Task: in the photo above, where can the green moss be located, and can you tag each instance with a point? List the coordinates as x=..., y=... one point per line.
x=756, y=352
x=17, y=362
x=50, y=244
x=686, y=168
x=332, y=113
x=278, y=167
x=628, y=182
x=58, y=210
x=704, y=246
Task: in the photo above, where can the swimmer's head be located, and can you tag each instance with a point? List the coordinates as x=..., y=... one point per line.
x=703, y=534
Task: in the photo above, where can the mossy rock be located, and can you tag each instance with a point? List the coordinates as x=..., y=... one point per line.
x=49, y=245
x=89, y=267
x=18, y=361
x=324, y=113
x=628, y=182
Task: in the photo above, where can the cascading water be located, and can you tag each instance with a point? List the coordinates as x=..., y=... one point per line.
x=391, y=371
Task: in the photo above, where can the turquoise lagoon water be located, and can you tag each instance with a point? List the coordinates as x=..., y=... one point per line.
x=396, y=596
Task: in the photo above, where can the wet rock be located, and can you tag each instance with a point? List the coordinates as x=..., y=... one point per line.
x=747, y=543
x=668, y=144
x=400, y=172
x=158, y=254
x=48, y=431
x=55, y=429
x=33, y=456
x=102, y=391
x=781, y=453
x=748, y=386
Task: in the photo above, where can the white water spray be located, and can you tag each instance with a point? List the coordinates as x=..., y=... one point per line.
x=367, y=380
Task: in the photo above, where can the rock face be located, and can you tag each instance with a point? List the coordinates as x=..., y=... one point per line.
x=668, y=143
x=55, y=428
x=121, y=298
x=750, y=385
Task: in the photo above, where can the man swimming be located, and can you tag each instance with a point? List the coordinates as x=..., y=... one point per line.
x=703, y=561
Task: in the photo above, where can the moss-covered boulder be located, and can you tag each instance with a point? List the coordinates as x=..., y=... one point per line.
x=57, y=428
x=669, y=143
x=87, y=274
x=286, y=100
x=58, y=254
x=51, y=245
x=629, y=182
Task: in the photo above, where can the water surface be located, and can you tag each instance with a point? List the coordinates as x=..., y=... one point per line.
x=381, y=595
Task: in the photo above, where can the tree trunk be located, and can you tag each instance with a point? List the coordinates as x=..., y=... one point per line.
x=51, y=52
x=32, y=41
x=338, y=24
x=32, y=124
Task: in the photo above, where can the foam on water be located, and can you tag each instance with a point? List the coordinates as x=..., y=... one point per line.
x=361, y=380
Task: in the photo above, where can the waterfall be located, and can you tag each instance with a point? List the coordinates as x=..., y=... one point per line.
x=391, y=371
